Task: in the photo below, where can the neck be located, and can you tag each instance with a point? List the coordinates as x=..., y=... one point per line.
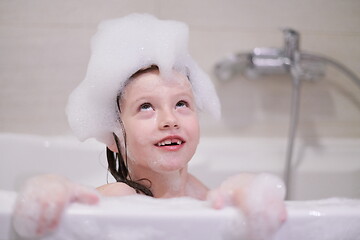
x=164, y=185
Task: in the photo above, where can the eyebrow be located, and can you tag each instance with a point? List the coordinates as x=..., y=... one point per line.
x=149, y=97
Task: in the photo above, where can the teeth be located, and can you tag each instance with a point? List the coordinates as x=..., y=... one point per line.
x=168, y=142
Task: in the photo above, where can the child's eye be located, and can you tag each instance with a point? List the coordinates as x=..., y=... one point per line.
x=145, y=107
x=182, y=104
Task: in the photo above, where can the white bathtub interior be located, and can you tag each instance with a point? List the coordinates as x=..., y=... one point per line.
x=331, y=169
x=330, y=173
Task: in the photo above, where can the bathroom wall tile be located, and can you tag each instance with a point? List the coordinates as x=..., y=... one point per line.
x=343, y=48
x=210, y=47
x=39, y=68
x=321, y=105
x=319, y=15
x=44, y=49
x=68, y=13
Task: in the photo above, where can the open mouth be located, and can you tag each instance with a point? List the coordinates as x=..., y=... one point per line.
x=170, y=142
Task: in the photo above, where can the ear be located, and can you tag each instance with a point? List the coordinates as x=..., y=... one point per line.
x=113, y=147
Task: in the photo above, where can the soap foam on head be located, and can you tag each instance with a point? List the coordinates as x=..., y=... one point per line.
x=119, y=49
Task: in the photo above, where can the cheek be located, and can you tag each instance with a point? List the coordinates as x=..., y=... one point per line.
x=193, y=127
x=140, y=130
x=135, y=140
x=138, y=135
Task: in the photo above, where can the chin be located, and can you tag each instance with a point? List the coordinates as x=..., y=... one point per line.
x=170, y=165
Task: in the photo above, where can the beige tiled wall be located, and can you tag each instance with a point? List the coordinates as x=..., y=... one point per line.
x=44, y=49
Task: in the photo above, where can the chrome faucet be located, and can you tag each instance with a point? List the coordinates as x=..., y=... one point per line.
x=265, y=61
x=291, y=45
x=286, y=60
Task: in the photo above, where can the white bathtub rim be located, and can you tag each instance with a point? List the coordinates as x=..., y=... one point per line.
x=315, y=213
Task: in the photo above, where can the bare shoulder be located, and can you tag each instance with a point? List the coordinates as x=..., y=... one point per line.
x=116, y=189
x=196, y=188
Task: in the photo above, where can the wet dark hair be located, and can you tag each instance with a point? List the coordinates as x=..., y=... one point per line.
x=117, y=164
x=118, y=168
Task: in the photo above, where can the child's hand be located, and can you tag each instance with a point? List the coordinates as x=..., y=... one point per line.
x=260, y=198
x=42, y=201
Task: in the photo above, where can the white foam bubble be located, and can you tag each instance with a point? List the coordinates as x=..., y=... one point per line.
x=120, y=48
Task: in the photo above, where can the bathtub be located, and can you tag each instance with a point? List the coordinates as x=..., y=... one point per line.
x=324, y=201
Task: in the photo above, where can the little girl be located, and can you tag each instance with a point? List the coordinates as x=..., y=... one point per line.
x=141, y=97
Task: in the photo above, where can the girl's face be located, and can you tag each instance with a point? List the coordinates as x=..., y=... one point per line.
x=160, y=121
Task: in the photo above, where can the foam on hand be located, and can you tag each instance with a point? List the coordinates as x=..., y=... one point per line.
x=42, y=201
x=119, y=49
x=260, y=197
x=266, y=210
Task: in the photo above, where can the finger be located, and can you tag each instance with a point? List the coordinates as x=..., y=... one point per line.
x=215, y=199
x=53, y=214
x=41, y=222
x=83, y=194
x=25, y=221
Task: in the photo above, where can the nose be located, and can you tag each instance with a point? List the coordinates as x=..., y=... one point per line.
x=168, y=120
